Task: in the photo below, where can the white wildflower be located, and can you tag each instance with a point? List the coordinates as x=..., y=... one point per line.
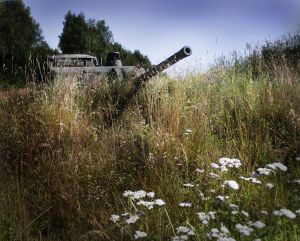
x=255, y=180
x=258, y=224
x=180, y=238
x=147, y=204
x=139, y=194
x=159, y=202
x=184, y=230
x=234, y=212
x=132, y=219
x=140, y=234
x=280, y=166
x=150, y=194
x=236, y=163
x=298, y=211
x=222, y=198
x=233, y=206
x=224, y=160
x=185, y=204
x=245, y=178
x=244, y=229
x=297, y=158
x=127, y=193
x=115, y=218
x=221, y=234
x=224, y=230
x=277, y=165
x=230, y=162
x=264, y=171
x=214, y=233
x=214, y=175
x=135, y=195
x=252, y=179
x=232, y=184
x=204, y=218
x=225, y=239
x=257, y=239
x=269, y=185
x=199, y=170
x=214, y=165
x=264, y=212
x=245, y=213
x=125, y=214
x=297, y=181
x=284, y=212
x=272, y=166
x=188, y=131
x=188, y=185
x=201, y=194
x=223, y=169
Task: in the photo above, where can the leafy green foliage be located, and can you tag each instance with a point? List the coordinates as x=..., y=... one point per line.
x=21, y=40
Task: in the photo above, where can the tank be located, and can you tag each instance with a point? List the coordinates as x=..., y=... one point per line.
x=81, y=64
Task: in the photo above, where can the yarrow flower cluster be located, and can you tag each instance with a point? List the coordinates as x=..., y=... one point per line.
x=264, y=171
x=150, y=204
x=284, y=212
x=233, y=206
x=222, y=234
x=232, y=184
x=132, y=218
x=297, y=181
x=258, y=224
x=225, y=163
x=245, y=213
x=185, y=204
x=140, y=234
x=205, y=217
x=214, y=175
x=244, y=229
x=222, y=198
x=136, y=196
x=199, y=170
x=251, y=179
x=270, y=168
x=277, y=166
x=128, y=218
x=183, y=233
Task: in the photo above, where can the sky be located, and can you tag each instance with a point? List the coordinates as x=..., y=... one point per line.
x=158, y=28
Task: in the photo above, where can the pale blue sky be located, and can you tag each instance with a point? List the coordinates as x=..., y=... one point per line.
x=160, y=27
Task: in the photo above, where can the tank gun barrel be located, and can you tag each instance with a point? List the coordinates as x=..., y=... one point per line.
x=154, y=70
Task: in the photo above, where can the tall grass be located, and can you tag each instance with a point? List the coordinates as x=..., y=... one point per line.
x=64, y=169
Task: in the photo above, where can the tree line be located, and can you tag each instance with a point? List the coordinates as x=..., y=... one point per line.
x=23, y=47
